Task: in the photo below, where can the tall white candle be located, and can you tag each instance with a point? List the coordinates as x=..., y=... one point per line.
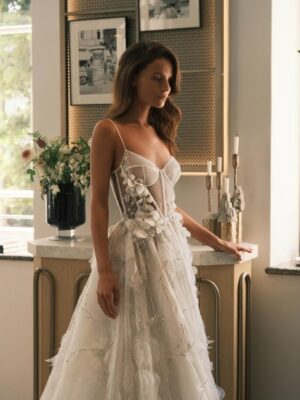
x=226, y=185
x=209, y=165
x=219, y=164
x=236, y=145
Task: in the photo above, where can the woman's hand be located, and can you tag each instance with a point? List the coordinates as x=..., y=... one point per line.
x=233, y=248
x=108, y=293
x=202, y=234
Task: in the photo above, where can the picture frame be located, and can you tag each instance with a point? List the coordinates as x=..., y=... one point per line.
x=95, y=48
x=168, y=14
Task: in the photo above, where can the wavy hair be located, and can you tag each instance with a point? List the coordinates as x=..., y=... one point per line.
x=135, y=58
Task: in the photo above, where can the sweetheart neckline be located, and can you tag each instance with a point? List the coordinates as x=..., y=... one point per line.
x=145, y=158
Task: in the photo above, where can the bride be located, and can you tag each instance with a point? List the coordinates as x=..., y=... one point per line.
x=136, y=332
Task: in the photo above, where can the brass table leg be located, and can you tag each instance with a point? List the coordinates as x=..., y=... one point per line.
x=37, y=273
x=78, y=281
x=217, y=296
x=243, y=357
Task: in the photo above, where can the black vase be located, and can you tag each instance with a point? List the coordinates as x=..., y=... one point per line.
x=65, y=209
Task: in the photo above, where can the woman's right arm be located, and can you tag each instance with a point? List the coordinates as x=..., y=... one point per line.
x=102, y=153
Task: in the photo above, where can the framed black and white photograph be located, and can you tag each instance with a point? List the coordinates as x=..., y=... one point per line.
x=169, y=14
x=95, y=48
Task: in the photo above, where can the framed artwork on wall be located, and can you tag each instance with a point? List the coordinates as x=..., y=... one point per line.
x=169, y=14
x=95, y=48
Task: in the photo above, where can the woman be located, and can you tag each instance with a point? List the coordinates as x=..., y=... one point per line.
x=136, y=332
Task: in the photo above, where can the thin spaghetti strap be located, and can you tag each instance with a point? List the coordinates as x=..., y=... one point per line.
x=118, y=133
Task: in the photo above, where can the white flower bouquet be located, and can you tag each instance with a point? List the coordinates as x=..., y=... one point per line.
x=56, y=162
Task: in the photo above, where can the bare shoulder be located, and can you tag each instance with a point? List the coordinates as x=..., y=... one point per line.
x=104, y=133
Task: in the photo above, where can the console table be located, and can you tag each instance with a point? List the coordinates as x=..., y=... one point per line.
x=60, y=272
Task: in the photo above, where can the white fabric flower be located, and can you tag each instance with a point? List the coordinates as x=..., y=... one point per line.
x=140, y=233
x=155, y=215
x=149, y=222
x=130, y=224
x=178, y=216
x=186, y=232
x=140, y=189
x=130, y=183
x=159, y=229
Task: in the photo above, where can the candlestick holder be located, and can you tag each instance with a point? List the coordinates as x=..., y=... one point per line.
x=208, y=187
x=235, y=164
x=210, y=219
x=238, y=203
x=219, y=187
x=237, y=199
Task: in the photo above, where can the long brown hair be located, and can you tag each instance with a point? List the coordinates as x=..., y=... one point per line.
x=135, y=58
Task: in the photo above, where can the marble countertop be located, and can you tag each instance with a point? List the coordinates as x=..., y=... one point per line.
x=289, y=268
x=82, y=249
x=205, y=255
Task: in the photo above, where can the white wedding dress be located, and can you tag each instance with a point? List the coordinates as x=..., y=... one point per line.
x=156, y=348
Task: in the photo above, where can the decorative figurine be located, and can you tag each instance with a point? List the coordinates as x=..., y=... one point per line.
x=227, y=218
x=238, y=199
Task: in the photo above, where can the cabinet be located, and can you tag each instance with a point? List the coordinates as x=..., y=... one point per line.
x=224, y=288
x=60, y=272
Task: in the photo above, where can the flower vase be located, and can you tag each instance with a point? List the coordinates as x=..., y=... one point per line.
x=65, y=210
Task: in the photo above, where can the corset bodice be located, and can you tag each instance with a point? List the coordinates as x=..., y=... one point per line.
x=140, y=186
x=145, y=193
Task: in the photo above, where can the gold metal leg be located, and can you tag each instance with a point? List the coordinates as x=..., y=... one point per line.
x=243, y=357
x=78, y=281
x=217, y=296
x=37, y=273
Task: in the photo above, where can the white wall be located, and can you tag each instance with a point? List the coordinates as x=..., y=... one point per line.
x=49, y=110
x=16, y=330
x=250, y=117
x=48, y=89
x=285, y=131
x=258, y=112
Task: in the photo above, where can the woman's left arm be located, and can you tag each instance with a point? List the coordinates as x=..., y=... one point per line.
x=202, y=234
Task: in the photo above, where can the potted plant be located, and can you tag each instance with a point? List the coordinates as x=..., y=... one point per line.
x=63, y=171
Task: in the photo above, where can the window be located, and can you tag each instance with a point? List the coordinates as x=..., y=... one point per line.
x=16, y=191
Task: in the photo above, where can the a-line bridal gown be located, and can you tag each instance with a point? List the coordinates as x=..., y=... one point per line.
x=156, y=348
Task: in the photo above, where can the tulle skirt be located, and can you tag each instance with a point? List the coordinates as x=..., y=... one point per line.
x=156, y=348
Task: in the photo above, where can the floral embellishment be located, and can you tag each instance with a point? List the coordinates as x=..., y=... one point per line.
x=186, y=232
x=144, y=219
x=140, y=233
